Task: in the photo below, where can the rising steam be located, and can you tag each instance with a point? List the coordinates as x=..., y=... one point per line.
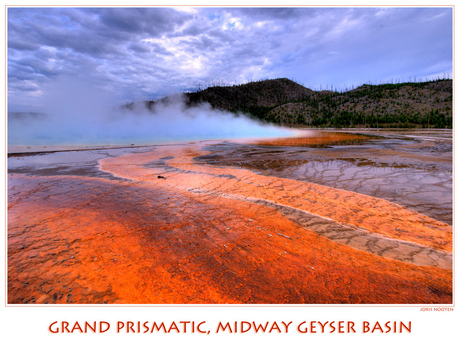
x=77, y=113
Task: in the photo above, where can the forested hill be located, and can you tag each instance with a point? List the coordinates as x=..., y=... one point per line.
x=284, y=102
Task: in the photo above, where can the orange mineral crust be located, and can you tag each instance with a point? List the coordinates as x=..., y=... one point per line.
x=314, y=139
x=168, y=229
x=361, y=211
x=95, y=241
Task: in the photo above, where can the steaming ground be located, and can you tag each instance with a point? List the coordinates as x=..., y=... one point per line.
x=84, y=123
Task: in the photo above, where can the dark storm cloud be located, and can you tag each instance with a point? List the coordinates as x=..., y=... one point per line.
x=152, y=21
x=222, y=36
x=193, y=30
x=96, y=32
x=44, y=28
x=140, y=48
x=160, y=50
x=22, y=45
x=149, y=52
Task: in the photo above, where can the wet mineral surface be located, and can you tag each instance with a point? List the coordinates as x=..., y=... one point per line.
x=342, y=218
x=411, y=168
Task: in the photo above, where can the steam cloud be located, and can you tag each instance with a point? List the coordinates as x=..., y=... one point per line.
x=78, y=113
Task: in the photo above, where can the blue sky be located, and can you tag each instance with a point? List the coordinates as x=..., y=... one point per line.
x=145, y=53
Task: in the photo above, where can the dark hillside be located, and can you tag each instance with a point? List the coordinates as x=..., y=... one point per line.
x=284, y=102
x=255, y=94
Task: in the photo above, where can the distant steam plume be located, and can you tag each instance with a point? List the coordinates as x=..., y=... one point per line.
x=78, y=113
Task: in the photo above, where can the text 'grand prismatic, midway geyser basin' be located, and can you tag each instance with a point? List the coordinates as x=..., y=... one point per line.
x=333, y=218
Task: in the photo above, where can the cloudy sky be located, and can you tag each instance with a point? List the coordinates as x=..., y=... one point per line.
x=145, y=53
